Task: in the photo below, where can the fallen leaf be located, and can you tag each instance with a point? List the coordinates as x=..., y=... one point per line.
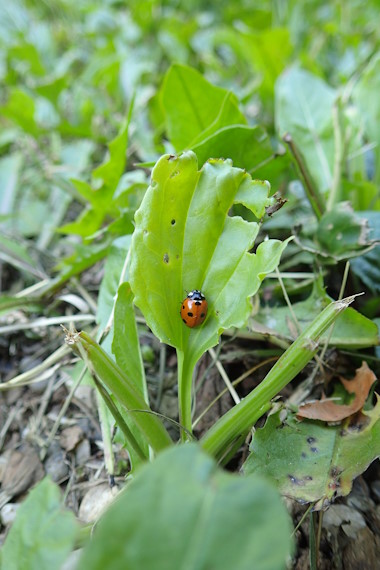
x=70, y=437
x=23, y=470
x=329, y=411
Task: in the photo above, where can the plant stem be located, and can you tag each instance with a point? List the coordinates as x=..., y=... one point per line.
x=314, y=198
x=185, y=385
x=243, y=416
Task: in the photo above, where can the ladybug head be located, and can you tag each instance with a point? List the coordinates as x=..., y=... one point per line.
x=196, y=295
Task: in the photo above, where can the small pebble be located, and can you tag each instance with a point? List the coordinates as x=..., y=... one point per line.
x=82, y=452
x=8, y=513
x=95, y=501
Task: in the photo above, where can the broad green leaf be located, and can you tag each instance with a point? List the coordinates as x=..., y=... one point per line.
x=195, y=109
x=365, y=95
x=178, y=513
x=43, y=533
x=247, y=147
x=185, y=239
x=303, y=107
x=311, y=461
x=351, y=329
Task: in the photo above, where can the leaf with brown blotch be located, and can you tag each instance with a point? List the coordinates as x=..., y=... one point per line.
x=328, y=411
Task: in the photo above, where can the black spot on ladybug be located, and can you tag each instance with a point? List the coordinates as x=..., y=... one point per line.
x=184, y=321
x=183, y=306
x=202, y=315
x=190, y=314
x=166, y=258
x=173, y=222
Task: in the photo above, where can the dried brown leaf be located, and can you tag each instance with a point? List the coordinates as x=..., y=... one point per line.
x=329, y=411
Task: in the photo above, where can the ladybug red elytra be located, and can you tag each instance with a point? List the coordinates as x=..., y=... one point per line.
x=194, y=309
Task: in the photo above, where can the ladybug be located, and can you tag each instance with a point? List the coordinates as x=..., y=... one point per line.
x=194, y=309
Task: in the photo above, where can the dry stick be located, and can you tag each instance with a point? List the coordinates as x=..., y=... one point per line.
x=62, y=413
x=49, y=365
x=340, y=297
x=226, y=380
x=294, y=317
x=310, y=190
x=286, y=297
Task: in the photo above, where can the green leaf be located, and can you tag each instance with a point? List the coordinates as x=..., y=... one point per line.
x=304, y=106
x=311, y=461
x=111, y=279
x=43, y=533
x=351, y=329
x=85, y=255
x=108, y=174
x=247, y=147
x=178, y=513
x=126, y=348
x=342, y=233
x=194, y=108
x=268, y=51
x=125, y=344
x=184, y=240
x=21, y=109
